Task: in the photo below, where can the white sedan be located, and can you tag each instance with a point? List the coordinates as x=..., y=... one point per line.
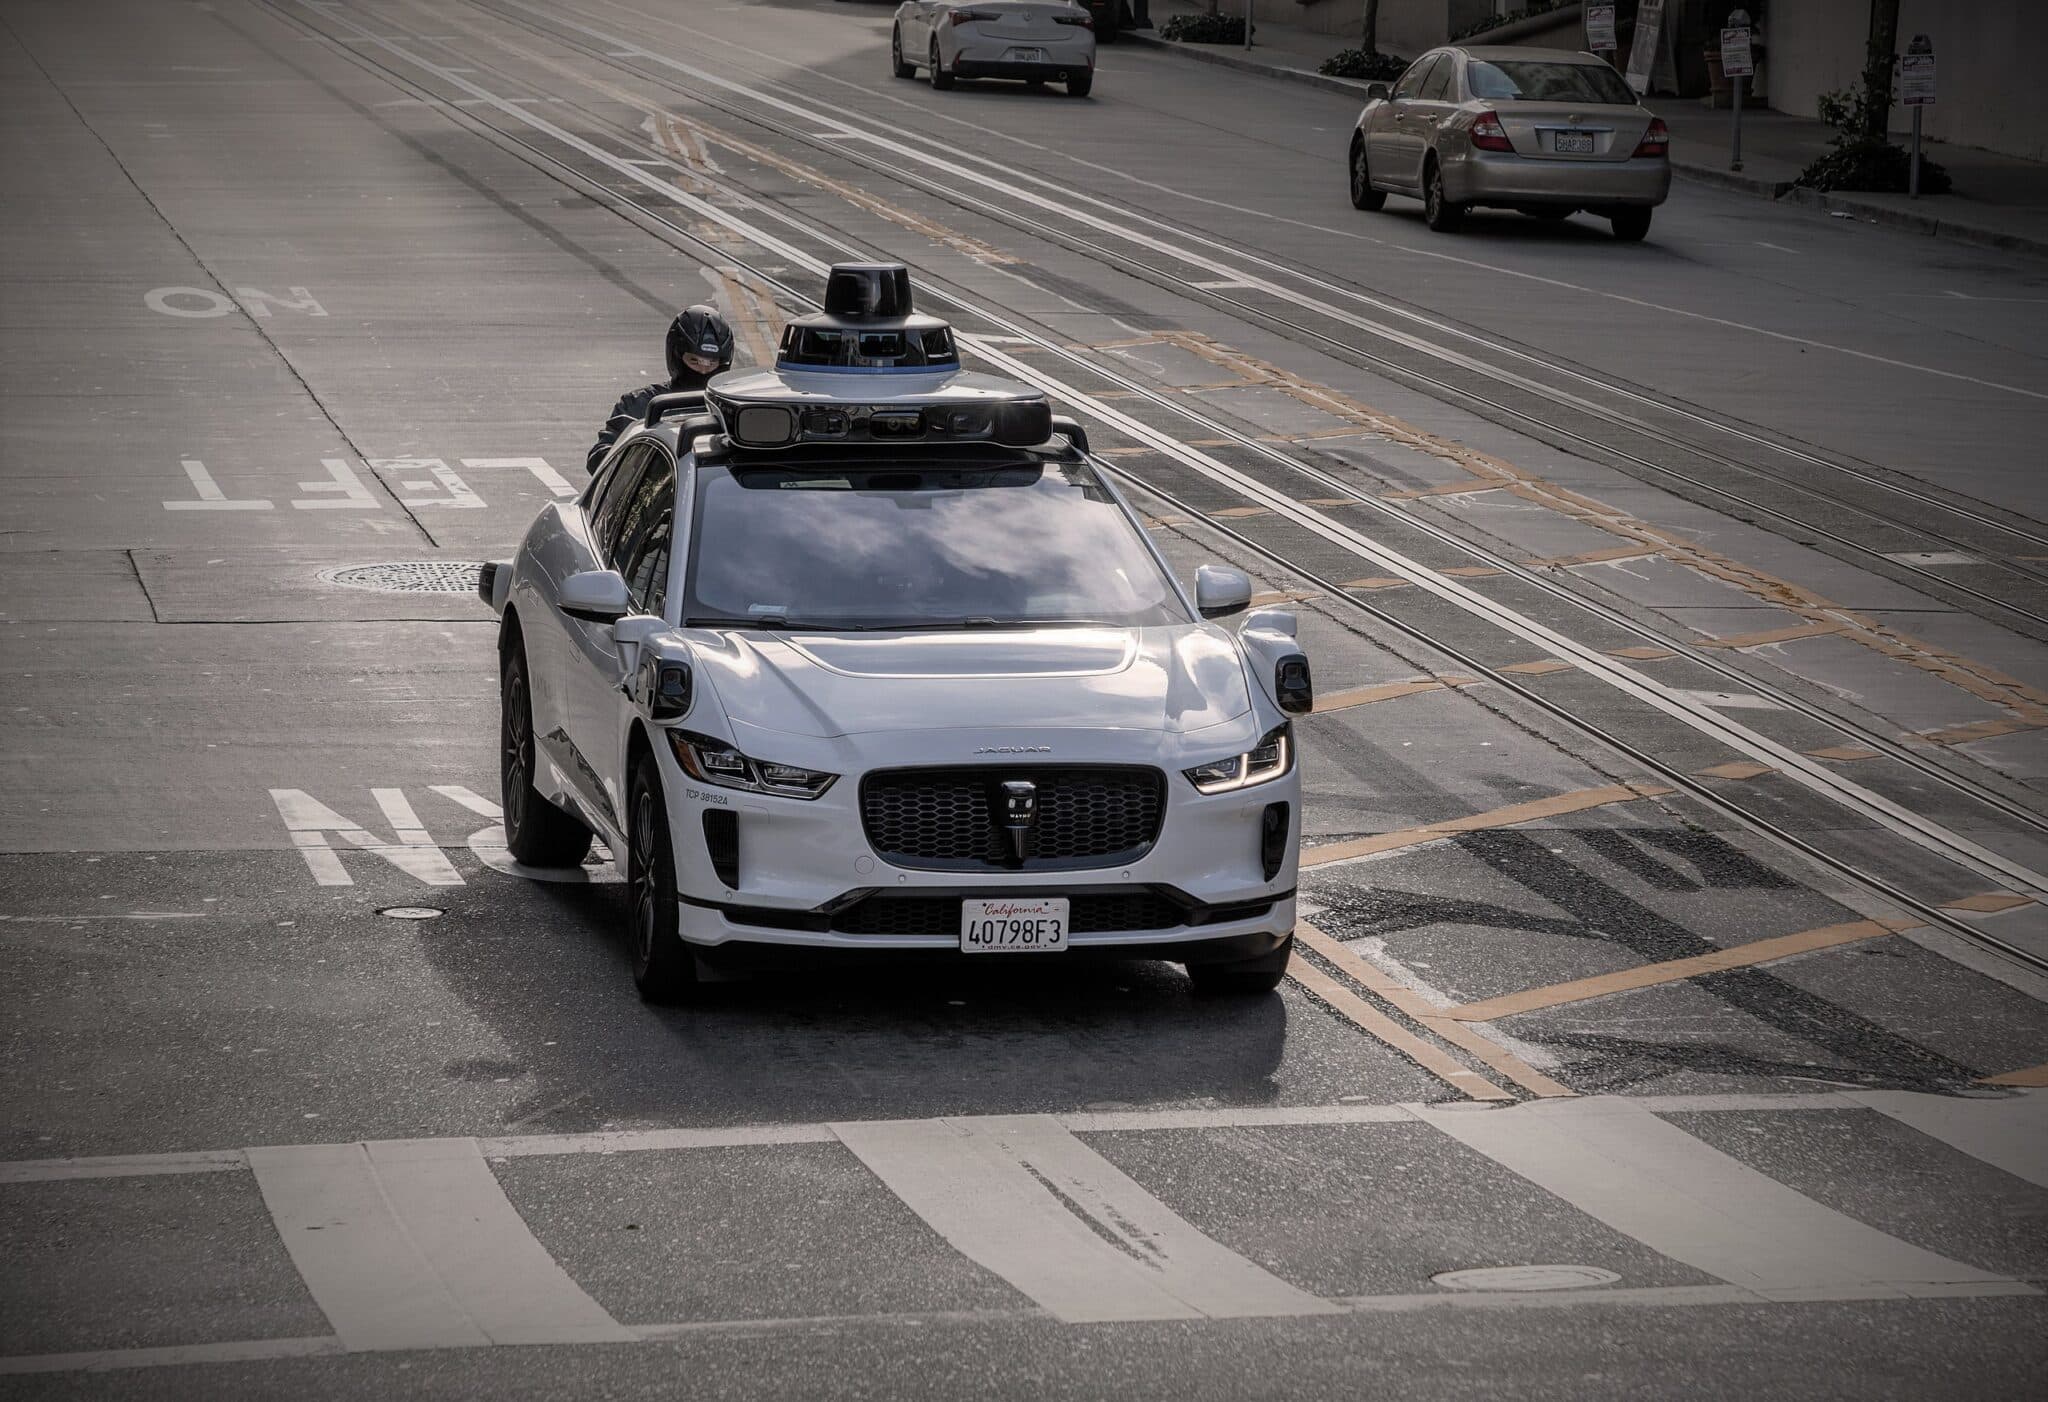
x=1039, y=41
x=874, y=658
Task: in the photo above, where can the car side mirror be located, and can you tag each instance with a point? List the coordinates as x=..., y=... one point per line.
x=1221, y=591
x=1293, y=687
x=595, y=596
x=1377, y=92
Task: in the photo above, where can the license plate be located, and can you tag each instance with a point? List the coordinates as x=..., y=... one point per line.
x=1572, y=143
x=1013, y=926
x=1027, y=55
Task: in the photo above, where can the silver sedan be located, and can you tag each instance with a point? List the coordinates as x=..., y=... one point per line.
x=1544, y=131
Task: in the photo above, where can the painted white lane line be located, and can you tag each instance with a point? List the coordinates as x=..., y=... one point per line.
x=122, y=1166
x=1679, y=1196
x=2009, y=1133
x=1675, y=703
x=1023, y=1198
x=412, y=1244
x=109, y=1359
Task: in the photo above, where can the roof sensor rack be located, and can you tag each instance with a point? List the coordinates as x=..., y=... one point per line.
x=868, y=326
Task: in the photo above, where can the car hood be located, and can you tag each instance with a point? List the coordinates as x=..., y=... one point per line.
x=1176, y=679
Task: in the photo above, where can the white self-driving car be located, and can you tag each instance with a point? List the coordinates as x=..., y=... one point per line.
x=1037, y=40
x=865, y=654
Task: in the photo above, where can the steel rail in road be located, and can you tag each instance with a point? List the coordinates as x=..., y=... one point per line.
x=1931, y=837
x=1878, y=741
x=1061, y=232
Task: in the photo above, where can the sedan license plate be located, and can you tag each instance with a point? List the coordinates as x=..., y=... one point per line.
x=1027, y=55
x=1572, y=143
x=1013, y=926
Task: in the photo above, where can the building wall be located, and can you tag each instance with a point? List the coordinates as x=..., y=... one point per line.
x=1989, y=57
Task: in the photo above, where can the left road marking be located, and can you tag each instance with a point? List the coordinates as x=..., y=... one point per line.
x=413, y=1244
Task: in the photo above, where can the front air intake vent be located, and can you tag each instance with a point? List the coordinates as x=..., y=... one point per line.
x=722, y=841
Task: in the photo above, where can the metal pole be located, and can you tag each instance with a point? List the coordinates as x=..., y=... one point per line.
x=1247, y=23
x=1913, y=182
x=1735, y=154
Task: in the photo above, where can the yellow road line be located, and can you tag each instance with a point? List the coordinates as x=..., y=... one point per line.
x=1374, y=1023
x=1677, y=970
x=1554, y=806
x=1734, y=769
x=2036, y=1076
x=1542, y=666
x=1386, y=691
x=1643, y=654
x=1979, y=730
x=1436, y=1020
x=1842, y=752
x=1790, y=633
x=1990, y=903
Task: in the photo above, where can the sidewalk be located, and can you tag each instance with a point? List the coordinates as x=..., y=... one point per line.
x=1997, y=201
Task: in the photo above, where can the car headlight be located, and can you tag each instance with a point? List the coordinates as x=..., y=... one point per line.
x=1267, y=760
x=717, y=762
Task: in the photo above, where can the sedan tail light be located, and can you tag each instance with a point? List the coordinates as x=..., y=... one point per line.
x=1656, y=141
x=1085, y=21
x=1489, y=135
x=970, y=16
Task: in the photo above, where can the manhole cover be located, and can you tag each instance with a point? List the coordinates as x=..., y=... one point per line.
x=411, y=912
x=410, y=576
x=1526, y=1278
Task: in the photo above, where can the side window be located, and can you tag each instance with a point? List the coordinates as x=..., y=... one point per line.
x=1411, y=81
x=609, y=496
x=652, y=497
x=645, y=566
x=1439, y=80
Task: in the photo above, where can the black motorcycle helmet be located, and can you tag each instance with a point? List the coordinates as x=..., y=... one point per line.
x=697, y=330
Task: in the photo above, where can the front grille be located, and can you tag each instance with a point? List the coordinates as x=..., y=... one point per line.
x=950, y=819
x=1106, y=913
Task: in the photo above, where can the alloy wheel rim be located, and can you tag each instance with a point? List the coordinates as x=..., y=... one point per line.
x=643, y=879
x=517, y=743
x=1358, y=173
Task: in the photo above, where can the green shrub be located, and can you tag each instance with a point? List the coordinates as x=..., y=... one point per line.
x=1357, y=63
x=1205, y=29
x=1533, y=7
x=1860, y=161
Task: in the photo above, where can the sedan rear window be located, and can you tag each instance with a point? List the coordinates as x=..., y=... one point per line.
x=924, y=546
x=1534, y=80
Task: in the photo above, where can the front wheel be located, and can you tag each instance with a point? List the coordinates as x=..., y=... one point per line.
x=664, y=970
x=1363, y=196
x=1440, y=213
x=941, y=79
x=1253, y=976
x=896, y=61
x=1081, y=83
x=537, y=833
x=1631, y=222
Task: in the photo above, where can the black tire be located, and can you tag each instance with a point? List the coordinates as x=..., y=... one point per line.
x=1441, y=214
x=536, y=832
x=1081, y=84
x=1250, y=978
x=941, y=79
x=664, y=970
x=902, y=69
x=1631, y=222
x=1363, y=196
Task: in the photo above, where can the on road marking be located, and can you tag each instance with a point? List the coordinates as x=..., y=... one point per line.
x=1025, y=1199
x=211, y=497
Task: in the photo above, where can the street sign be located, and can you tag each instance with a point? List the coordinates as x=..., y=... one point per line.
x=1642, y=54
x=1916, y=73
x=1735, y=57
x=1600, y=28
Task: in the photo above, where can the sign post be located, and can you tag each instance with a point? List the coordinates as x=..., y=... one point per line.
x=1600, y=29
x=1916, y=90
x=1247, y=23
x=1642, y=53
x=1738, y=63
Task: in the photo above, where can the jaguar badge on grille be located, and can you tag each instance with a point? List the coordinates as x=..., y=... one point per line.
x=1020, y=814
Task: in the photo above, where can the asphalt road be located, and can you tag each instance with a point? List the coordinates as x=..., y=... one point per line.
x=1675, y=798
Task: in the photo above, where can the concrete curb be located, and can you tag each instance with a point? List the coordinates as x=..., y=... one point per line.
x=1912, y=221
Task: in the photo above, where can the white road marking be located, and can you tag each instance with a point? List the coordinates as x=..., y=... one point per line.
x=1023, y=1198
x=260, y=302
x=211, y=497
x=2009, y=1133
x=458, y=493
x=158, y=299
x=1677, y=1195
x=107, y=1359
x=352, y=495
x=539, y=467
x=412, y=1244
x=309, y=822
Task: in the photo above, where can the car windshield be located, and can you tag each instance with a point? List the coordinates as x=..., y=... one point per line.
x=1536, y=80
x=925, y=546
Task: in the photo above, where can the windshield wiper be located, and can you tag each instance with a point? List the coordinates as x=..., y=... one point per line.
x=762, y=621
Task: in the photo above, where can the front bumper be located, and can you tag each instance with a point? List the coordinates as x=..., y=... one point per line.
x=1490, y=178
x=807, y=875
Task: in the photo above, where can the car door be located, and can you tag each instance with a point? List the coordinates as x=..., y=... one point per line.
x=1393, y=142
x=1433, y=104
x=917, y=29
x=630, y=534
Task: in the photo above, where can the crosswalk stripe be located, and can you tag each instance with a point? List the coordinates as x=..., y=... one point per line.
x=1679, y=1196
x=2011, y=1133
x=1023, y=1198
x=413, y=1244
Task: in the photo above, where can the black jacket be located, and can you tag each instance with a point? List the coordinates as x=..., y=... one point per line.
x=631, y=409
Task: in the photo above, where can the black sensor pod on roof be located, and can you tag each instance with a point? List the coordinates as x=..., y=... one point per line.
x=868, y=325
x=867, y=291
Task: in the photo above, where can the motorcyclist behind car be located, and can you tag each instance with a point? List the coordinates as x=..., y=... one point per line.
x=699, y=345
